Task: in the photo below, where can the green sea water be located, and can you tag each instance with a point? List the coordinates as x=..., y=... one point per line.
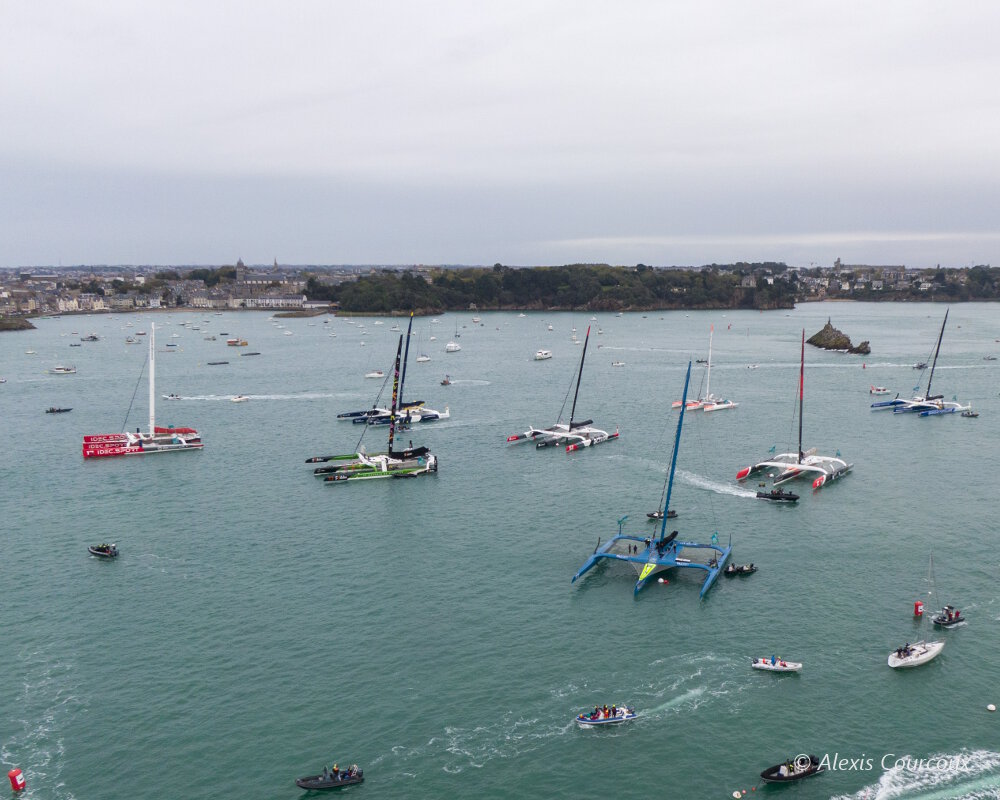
x=260, y=624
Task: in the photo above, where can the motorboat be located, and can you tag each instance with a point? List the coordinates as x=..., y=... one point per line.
x=54, y=410
x=542, y=355
x=171, y=396
x=970, y=413
x=452, y=347
x=739, y=569
x=656, y=516
x=778, y=496
x=375, y=374
x=948, y=617
x=872, y=389
x=239, y=398
x=332, y=779
x=446, y=381
x=913, y=655
x=773, y=664
x=802, y=766
x=920, y=365
x=617, y=363
x=423, y=358
x=62, y=371
x=606, y=716
x=103, y=550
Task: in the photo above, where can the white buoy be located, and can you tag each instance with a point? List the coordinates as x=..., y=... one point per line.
x=659, y=580
x=991, y=707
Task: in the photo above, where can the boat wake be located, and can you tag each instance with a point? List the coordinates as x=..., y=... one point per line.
x=49, y=704
x=229, y=397
x=713, y=486
x=967, y=775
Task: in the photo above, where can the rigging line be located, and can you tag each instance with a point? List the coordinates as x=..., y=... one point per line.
x=566, y=397
x=364, y=430
x=134, y=393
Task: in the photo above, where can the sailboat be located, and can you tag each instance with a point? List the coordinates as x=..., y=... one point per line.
x=361, y=465
x=948, y=616
x=709, y=402
x=575, y=435
x=156, y=440
x=651, y=556
x=929, y=405
x=802, y=463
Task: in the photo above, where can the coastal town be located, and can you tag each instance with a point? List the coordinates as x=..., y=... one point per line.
x=31, y=291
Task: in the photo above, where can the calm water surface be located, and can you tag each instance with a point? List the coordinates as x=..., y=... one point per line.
x=260, y=624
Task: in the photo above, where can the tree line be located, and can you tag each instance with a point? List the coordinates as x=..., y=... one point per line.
x=590, y=287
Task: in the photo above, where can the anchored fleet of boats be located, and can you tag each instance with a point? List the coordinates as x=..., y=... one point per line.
x=648, y=556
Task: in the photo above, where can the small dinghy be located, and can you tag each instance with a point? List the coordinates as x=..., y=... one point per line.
x=606, y=716
x=778, y=496
x=878, y=390
x=740, y=569
x=948, y=617
x=103, y=550
x=332, y=779
x=54, y=410
x=801, y=766
x=773, y=664
x=913, y=655
x=970, y=413
x=656, y=516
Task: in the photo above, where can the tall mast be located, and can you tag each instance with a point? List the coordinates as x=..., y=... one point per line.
x=395, y=394
x=936, y=351
x=673, y=458
x=152, y=378
x=579, y=375
x=802, y=387
x=708, y=375
x=406, y=355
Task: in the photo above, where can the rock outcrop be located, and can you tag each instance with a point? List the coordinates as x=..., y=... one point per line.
x=831, y=339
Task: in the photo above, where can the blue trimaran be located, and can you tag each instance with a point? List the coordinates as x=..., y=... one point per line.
x=650, y=557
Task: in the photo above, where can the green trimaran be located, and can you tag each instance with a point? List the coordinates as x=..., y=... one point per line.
x=360, y=465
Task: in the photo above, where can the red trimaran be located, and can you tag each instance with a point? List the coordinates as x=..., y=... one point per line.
x=157, y=440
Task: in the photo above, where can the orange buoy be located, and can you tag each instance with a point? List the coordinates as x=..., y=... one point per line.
x=16, y=780
x=918, y=608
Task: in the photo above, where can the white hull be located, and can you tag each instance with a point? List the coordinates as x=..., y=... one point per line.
x=920, y=653
x=777, y=666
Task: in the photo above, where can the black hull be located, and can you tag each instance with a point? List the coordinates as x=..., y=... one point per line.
x=103, y=553
x=742, y=569
x=657, y=515
x=781, y=497
x=319, y=783
x=57, y=410
x=771, y=774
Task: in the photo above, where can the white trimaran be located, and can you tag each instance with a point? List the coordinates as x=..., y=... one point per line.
x=796, y=465
x=708, y=402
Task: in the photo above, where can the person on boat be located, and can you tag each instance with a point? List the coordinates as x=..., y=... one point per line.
x=773, y=661
x=614, y=711
x=353, y=771
x=596, y=714
x=605, y=711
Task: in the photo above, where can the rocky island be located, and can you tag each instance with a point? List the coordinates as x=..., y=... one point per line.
x=831, y=339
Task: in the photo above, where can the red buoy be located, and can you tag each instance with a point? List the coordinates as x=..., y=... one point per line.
x=16, y=780
x=918, y=608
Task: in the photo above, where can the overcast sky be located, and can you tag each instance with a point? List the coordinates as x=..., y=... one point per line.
x=525, y=133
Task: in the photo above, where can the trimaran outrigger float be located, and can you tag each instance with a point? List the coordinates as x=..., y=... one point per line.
x=360, y=465
x=822, y=469
x=650, y=557
x=929, y=405
x=157, y=440
x=575, y=435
